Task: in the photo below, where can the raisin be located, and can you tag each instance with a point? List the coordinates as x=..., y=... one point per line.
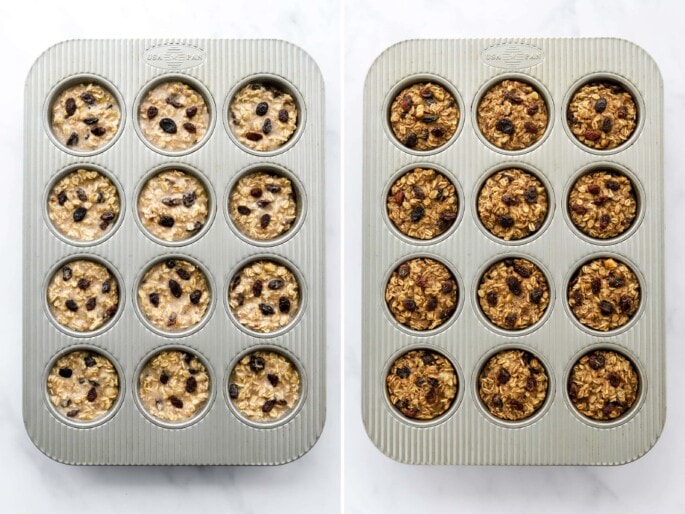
x=267, y=310
x=573, y=390
x=164, y=378
x=510, y=319
x=79, y=214
x=66, y=273
x=175, y=288
x=422, y=281
x=516, y=405
x=190, y=127
x=592, y=135
x=446, y=219
x=283, y=116
x=508, y=263
x=244, y=210
x=614, y=379
x=264, y=220
x=515, y=99
x=61, y=198
x=98, y=131
x=170, y=263
x=505, y=125
x=403, y=270
x=593, y=189
x=418, y=192
x=409, y=304
x=92, y=395
x=447, y=312
x=428, y=359
x=625, y=304
x=417, y=213
x=276, y=283
x=195, y=296
x=438, y=131
x=429, y=118
x=176, y=402
x=107, y=216
x=262, y=108
x=514, y=285
x=531, y=194
x=531, y=384
x=65, y=372
x=431, y=396
x=283, y=305
x=71, y=305
x=606, y=308
x=596, y=285
x=431, y=303
x=73, y=139
x=266, y=126
x=168, y=125
x=191, y=111
x=90, y=303
x=426, y=92
x=70, y=106
x=497, y=401
x=403, y=372
x=505, y=221
x=256, y=192
x=503, y=376
x=72, y=413
x=530, y=127
x=88, y=98
x=509, y=200
x=273, y=188
x=171, y=202
x=191, y=385
x=447, y=287
x=83, y=283
x=253, y=136
x=622, y=112
x=256, y=363
x=608, y=408
x=257, y=288
x=172, y=100
x=600, y=105
x=273, y=379
x=604, y=221
x=578, y=209
x=535, y=296
x=491, y=298
x=411, y=140
x=596, y=361
x=612, y=185
x=532, y=108
x=521, y=270
x=91, y=120
x=607, y=125
x=151, y=112
x=233, y=391
x=89, y=361
x=616, y=88
x=166, y=221
x=615, y=281
x=111, y=311
x=154, y=299
x=268, y=406
x=263, y=203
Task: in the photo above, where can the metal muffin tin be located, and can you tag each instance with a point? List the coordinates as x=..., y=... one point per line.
x=218, y=435
x=556, y=433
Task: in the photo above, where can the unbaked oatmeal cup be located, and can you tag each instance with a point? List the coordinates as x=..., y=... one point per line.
x=174, y=386
x=602, y=115
x=424, y=116
x=604, y=294
x=83, y=295
x=422, y=384
x=603, y=385
x=264, y=386
x=602, y=204
x=513, y=385
x=512, y=204
x=83, y=385
x=173, y=205
x=422, y=294
x=83, y=205
x=513, y=294
x=512, y=115
x=85, y=117
x=263, y=116
x=173, y=116
x=264, y=296
x=263, y=205
x=422, y=203
x=174, y=295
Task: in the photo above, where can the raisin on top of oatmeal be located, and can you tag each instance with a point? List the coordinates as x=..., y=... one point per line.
x=173, y=205
x=173, y=116
x=602, y=204
x=603, y=385
x=422, y=384
x=422, y=203
x=512, y=115
x=602, y=115
x=604, y=294
x=84, y=205
x=263, y=205
x=422, y=294
x=85, y=117
x=262, y=116
x=512, y=204
x=424, y=116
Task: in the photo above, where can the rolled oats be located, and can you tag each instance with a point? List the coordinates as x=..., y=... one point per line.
x=513, y=385
x=424, y=116
x=173, y=386
x=422, y=384
x=512, y=204
x=512, y=115
x=513, y=294
x=602, y=115
x=264, y=386
x=422, y=203
x=83, y=385
x=604, y=294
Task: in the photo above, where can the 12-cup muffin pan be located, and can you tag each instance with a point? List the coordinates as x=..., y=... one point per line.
x=535, y=384
x=133, y=351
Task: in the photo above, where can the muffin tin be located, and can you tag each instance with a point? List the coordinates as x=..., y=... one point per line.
x=217, y=433
x=556, y=433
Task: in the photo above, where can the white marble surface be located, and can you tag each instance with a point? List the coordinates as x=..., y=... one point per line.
x=30, y=482
x=374, y=483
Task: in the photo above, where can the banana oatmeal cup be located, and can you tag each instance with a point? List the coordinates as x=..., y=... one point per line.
x=264, y=386
x=174, y=386
x=83, y=385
